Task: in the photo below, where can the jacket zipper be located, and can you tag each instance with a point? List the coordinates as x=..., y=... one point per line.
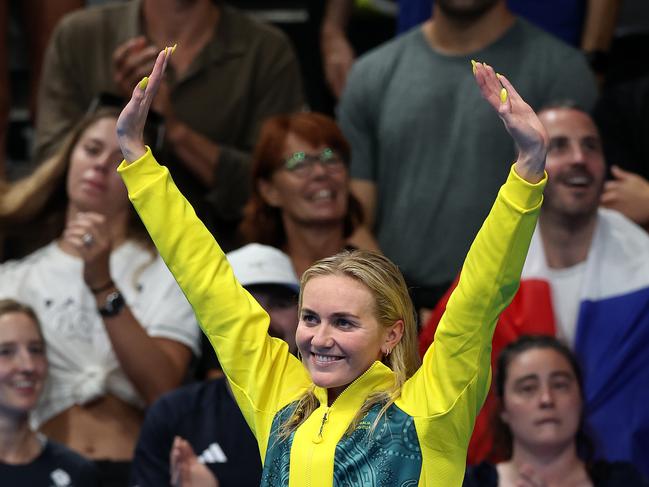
x=325, y=417
x=324, y=420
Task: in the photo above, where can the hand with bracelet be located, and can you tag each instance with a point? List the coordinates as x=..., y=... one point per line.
x=87, y=233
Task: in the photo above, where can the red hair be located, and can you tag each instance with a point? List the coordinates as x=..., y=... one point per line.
x=263, y=223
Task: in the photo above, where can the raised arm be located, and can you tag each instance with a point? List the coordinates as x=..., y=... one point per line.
x=520, y=121
x=262, y=372
x=455, y=374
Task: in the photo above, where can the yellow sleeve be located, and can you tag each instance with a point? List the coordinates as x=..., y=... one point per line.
x=454, y=378
x=263, y=374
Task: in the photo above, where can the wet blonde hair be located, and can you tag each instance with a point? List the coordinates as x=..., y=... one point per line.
x=392, y=303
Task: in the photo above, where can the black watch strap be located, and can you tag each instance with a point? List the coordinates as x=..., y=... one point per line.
x=113, y=305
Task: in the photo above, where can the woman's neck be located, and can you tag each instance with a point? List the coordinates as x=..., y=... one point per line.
x=18, y=443
x=306, y=244
x=557, y=466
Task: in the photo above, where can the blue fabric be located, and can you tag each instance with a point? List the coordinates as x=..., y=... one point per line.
x=612, y=335
x=612, y=339
x=563, y=18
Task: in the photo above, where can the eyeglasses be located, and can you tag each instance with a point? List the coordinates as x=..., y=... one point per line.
x=301, y=163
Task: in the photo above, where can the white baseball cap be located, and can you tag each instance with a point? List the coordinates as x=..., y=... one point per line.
x=261, y=264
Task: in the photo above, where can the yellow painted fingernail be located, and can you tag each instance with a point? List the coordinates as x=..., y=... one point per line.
x=473, y=66
x=173, y=49
x=503, y=95
x=143, y=83
x=498, y=75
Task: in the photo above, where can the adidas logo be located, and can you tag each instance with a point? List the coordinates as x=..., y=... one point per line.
x=213, y=454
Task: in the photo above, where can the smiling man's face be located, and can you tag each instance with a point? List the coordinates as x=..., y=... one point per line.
x=575, y=162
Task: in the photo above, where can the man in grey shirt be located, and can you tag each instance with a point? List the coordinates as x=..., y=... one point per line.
x=427, y=157
x=228, y=74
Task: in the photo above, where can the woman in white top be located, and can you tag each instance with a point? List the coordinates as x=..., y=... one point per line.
x=119, y=331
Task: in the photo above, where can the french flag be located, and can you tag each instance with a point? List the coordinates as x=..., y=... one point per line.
x=611, y=339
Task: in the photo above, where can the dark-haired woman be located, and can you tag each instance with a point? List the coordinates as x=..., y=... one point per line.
x=539, y=425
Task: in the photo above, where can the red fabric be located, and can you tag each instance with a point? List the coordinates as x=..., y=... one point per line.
x=530, y=313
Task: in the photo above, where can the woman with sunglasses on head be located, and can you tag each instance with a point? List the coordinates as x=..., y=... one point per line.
x=26, y=457
x=357, y=406
x=119, y=332
x=301, y=202
x=539, y=425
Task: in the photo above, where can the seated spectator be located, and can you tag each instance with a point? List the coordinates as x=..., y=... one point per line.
x=540, y=423
x=29, y=458
x=228, y=74
x=119, y=332
x=586, y=279
x=204, y=417
x=301, y=202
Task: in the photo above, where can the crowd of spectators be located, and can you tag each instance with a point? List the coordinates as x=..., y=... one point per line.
x=297, y=130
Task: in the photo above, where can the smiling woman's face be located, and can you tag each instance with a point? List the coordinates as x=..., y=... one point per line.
x=23, y=364
x=318, y=197
x=541, y=403
x=338, y=334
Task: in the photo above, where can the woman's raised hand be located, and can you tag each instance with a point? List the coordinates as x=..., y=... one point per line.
x=520, y=121
x=130, y=124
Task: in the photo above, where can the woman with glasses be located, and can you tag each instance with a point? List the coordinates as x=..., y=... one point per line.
x=301, y=202
x=358, y=408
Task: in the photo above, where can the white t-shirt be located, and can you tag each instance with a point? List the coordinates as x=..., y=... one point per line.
x=83, y=365
x=566, y=288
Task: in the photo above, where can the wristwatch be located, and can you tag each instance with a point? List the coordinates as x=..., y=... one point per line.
x=113, y=305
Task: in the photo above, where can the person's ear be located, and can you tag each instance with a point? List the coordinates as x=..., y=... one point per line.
x=504, y=416
x=269, y=192
x=393, y=336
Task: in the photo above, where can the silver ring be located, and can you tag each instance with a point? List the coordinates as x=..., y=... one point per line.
x=87, y=239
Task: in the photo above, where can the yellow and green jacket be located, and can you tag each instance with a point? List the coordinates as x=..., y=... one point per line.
x=423, y=437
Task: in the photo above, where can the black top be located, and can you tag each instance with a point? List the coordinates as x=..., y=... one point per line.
x=602, y=474
x=56, y=466
x=205, y=415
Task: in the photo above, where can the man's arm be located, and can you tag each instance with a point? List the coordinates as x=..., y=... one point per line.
x=337, y=53
x=599, y=25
